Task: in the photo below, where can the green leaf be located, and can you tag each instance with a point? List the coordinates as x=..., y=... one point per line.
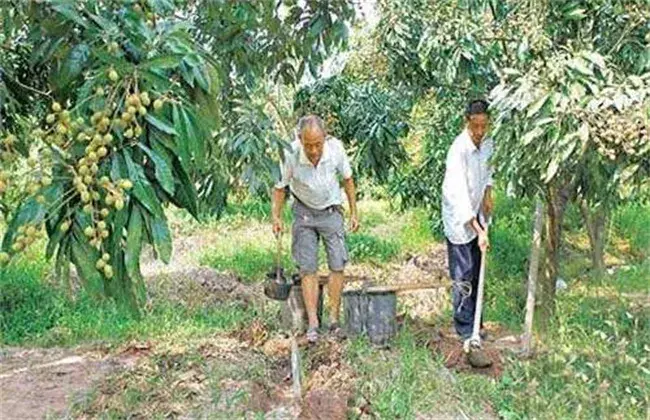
x=72, y=66
x=195, y=135
x=581, y=66
x=583, y=132
x=84, y=258
x=185, y=196
x=183, y=142
x=535, y=107
x=162, y=239
x=188, y=74
x=69, y=12
x=133, y=243
x=55, y=236
x=142, y=190
x=575, y=14
x=162, y=168
x=201, y=79
x=104, y=24
x=170, y=61
x=62, y=264
x=595, y=58
x=531, y=135
x=551, y=170
x=160, y=125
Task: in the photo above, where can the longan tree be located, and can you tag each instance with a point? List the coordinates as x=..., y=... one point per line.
x=104, y=122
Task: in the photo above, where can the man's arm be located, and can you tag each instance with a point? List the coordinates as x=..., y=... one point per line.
x=488, y=201
x=279, y=197
x=458, y=194
x=351, y=193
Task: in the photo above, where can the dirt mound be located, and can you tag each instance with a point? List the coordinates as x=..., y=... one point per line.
x=448, y=345
x=455, y=358
x=324, y=404
x=201, y=286
x=330, y=383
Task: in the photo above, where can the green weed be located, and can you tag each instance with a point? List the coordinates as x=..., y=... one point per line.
x=363, y=247
x=250, y=262
x=632, y=222
x=34, y=312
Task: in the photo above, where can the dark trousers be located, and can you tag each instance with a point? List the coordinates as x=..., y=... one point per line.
x=464, y=268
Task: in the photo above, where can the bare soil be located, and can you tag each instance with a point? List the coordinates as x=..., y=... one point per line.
x=40, y=382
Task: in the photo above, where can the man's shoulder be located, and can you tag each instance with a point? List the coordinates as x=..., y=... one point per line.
x=291, y=152
x=488, y=145
x=459, y=144
x=334, y=143
x=294, y=146
x=336, y=146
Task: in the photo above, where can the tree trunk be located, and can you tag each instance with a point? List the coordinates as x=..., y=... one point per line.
x=595, y=222
x=556, y=201
x=533, y=270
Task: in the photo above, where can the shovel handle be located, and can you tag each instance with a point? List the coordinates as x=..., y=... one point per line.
x=278, y=254
x=478, y=312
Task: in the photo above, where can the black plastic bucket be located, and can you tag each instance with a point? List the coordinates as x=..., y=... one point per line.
x=372, y=314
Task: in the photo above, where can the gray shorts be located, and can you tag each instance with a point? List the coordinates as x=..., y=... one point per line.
x=309, y=226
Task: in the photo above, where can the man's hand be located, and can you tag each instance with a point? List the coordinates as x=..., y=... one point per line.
x=483, y=241
x=277, y=226
x=488, y=202
x=279, y=195
x=354, y=222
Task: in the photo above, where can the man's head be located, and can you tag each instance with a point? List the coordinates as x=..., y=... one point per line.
x=477, y=119
x=311, y=132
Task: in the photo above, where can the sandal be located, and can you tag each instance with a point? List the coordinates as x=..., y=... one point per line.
x=336, y=331
x=312, y=335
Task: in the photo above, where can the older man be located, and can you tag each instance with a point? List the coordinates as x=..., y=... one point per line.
x=312, y=171
x=466, y=195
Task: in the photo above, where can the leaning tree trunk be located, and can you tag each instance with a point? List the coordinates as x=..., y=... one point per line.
x=556, y=201
x=595, y=221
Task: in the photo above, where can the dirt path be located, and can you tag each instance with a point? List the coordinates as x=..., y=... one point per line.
x=35, y=383
x=40, y=382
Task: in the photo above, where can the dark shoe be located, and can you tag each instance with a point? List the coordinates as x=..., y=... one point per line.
x=336, y=331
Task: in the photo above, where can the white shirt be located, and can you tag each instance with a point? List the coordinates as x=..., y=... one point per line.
x=317, y=187
x=467, y=175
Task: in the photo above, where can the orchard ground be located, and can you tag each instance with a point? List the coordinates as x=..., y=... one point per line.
x=209, y=345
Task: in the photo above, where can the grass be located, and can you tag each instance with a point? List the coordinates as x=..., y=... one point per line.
x=34, y=312
x=632, y=222
x=250, y=262
x=594, y=364
x=384, y=237
x=594, y=367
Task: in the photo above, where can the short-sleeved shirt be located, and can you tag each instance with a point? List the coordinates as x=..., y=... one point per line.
x=318, y=187
x=467, y=175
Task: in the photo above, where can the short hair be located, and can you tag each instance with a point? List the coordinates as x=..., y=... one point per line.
x=477, y=106
x=310, y=121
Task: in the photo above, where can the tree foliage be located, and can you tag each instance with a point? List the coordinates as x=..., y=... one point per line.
x=112, y=109
x=368, y=118
x=568, y=81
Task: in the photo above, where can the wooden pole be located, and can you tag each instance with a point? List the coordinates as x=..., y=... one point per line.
x=532, y=277
x=295, y=369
